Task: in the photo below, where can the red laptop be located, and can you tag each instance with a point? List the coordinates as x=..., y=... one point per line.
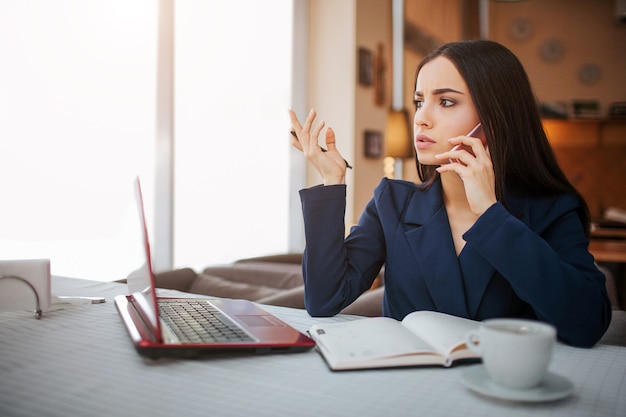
x=192, y=327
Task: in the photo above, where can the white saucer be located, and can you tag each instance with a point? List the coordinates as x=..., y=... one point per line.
x=553, y=387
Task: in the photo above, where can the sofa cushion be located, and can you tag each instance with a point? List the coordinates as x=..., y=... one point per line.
x=254, y=281
x=275, y=275
x=369, y=304
x=292, y=297
x=291, y=258
x=218, y=286
x=177, y=279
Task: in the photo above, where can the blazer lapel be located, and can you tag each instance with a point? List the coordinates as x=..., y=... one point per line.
x=427, y=231
x=476, y=271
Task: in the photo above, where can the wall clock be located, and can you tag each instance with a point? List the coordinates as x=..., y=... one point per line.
x=589, y=74
x=551, y=50
x=521, y=29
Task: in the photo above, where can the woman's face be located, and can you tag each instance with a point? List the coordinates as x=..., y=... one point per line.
x=444, y=109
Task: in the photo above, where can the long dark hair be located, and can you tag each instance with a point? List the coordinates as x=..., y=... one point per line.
x=507, y=108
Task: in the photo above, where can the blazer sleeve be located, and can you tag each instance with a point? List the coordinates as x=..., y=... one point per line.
x=336, y=272
x=548, y=266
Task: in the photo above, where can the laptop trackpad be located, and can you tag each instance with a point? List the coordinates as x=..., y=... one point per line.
x=259, y=321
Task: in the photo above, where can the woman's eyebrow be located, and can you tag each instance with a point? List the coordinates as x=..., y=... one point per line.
x=438, y=92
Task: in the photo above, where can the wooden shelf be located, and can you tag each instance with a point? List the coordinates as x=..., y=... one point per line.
x=608, y=250
x=585, y=132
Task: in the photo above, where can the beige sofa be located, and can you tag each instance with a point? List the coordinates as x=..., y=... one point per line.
x=273, y=280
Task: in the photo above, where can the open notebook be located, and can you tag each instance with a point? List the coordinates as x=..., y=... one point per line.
x=190, y=327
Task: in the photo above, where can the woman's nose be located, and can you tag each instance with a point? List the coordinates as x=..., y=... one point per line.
x=420, y=119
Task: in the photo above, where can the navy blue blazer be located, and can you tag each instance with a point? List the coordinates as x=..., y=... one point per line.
x=529, y=260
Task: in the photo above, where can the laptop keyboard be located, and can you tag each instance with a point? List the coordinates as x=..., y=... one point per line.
x=199, y=322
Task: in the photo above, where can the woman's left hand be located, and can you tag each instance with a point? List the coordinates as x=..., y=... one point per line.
x=476, y=172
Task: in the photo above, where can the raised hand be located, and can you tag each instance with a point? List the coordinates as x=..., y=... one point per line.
x=328, y=162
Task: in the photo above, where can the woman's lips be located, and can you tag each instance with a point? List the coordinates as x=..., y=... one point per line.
x=422, y=141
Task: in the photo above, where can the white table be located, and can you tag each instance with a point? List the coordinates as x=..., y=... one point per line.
x=78, y=361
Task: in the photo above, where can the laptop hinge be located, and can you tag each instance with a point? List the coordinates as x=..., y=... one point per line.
x=139, y=314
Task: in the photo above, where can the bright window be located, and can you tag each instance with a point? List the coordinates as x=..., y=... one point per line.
x=233, y=66
x=76, y=125
x=77, y=113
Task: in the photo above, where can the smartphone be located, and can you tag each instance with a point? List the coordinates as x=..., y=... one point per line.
x=476, y=132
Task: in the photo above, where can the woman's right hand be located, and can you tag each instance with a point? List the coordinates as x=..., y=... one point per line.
x=329, y=163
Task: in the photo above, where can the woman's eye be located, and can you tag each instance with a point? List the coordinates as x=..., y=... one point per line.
x=418, y=103
x=446, y=102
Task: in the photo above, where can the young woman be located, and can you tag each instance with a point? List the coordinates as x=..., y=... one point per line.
x=493, y=230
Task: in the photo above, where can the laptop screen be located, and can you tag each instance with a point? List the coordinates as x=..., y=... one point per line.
x=141, y=282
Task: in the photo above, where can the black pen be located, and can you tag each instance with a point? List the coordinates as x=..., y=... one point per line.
x=293, y=133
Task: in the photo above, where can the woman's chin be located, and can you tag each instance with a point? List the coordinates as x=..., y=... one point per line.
x=429, y=160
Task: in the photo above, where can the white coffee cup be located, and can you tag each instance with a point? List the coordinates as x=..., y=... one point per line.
x=515, y=353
